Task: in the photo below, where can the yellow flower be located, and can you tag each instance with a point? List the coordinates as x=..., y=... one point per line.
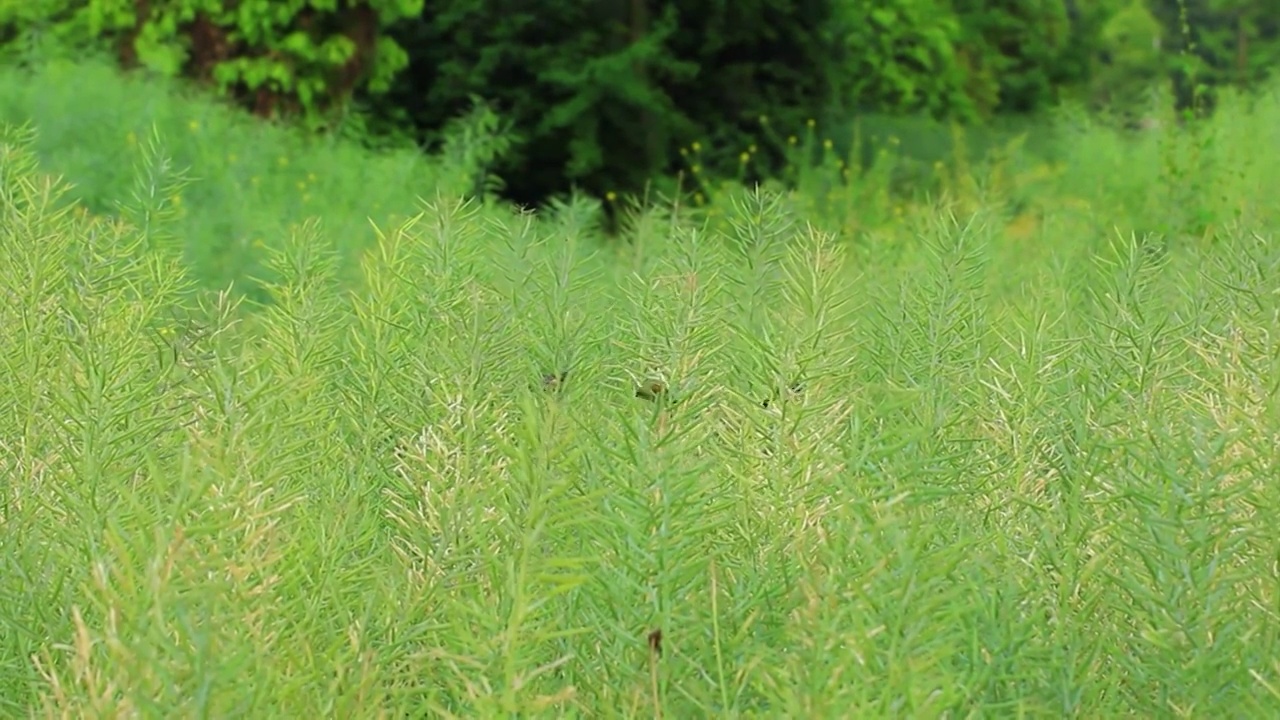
x=611, y=196
x=697, y=146
x=744, y=158
x=752, y=148
x=697, y=198
x=826, y=144
x=791, y=140
x=810, y=122
x=696, y=168
x=282, y=160
x=764, y=119
x=194, y=125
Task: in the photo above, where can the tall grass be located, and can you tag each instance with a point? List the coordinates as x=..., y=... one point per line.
x=1073, y=175
x=232, y=184
x=995, y=473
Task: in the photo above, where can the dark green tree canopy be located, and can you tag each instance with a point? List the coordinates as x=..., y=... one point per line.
x=602, y=95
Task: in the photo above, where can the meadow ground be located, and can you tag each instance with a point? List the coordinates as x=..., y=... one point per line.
x=812, y=454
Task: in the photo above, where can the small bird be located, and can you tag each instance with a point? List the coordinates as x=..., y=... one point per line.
x=651, y=389
x=792, y=392
x=554, y=382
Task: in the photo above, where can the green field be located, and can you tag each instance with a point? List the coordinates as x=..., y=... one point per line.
x=278, y=440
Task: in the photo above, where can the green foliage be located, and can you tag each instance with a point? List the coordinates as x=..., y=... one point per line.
x=1134, y=62
x=31, y=30
x=1213, y=43
x=566, y=101
x=608, y=106
x=1018, y=53
x=903, y=58
x=997, y=473
x=881, y=465
x=304, y=55
x=223, y=185
x=966, y=61
x=765, y=67
x=605, y=108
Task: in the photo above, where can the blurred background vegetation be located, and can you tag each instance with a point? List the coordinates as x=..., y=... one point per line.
x=612, y=98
